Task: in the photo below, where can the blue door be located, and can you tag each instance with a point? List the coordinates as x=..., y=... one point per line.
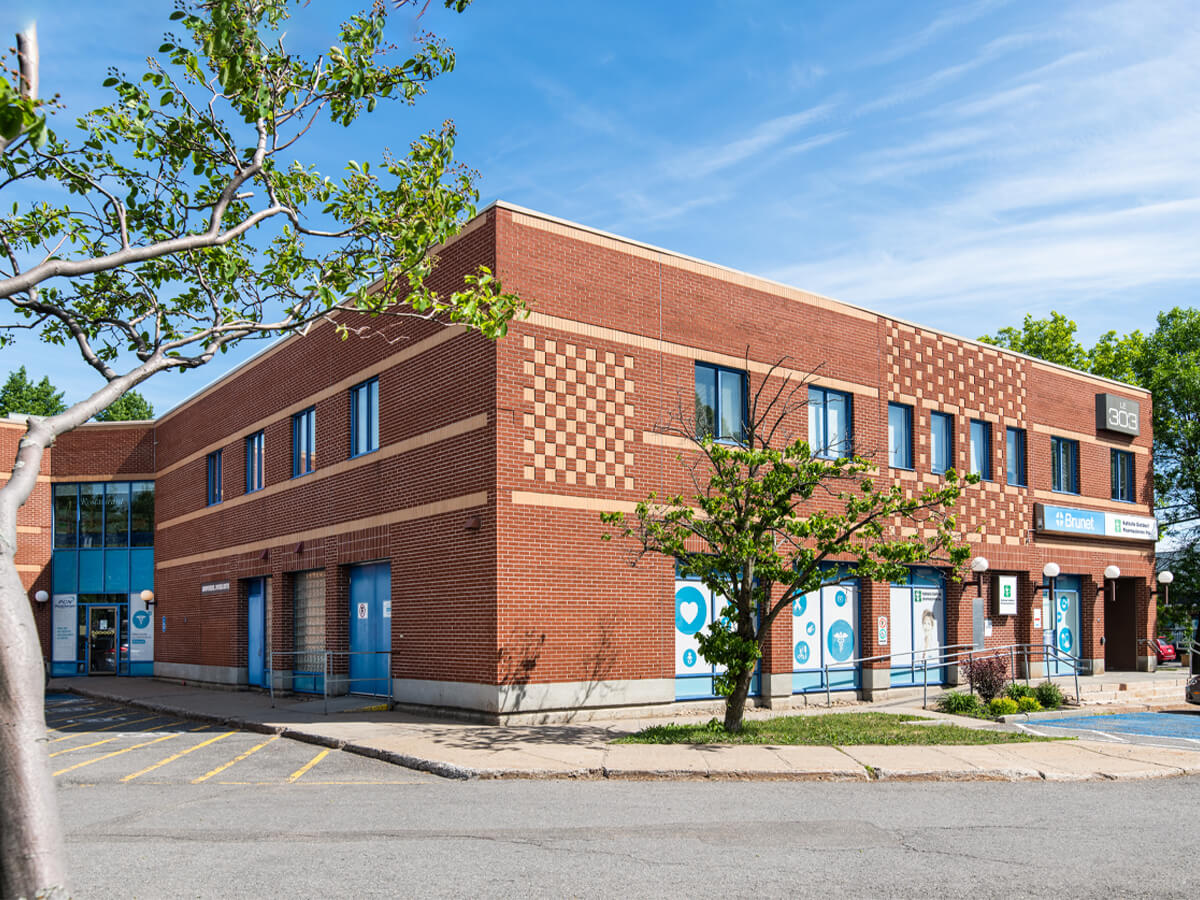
x=256, y=619
x=370, y=628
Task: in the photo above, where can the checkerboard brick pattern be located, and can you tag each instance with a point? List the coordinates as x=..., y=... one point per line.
x=580, y=429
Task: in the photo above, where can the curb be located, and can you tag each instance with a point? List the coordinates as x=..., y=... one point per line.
x=457, y=772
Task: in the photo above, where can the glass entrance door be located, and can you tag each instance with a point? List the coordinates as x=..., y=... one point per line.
x=103, y=640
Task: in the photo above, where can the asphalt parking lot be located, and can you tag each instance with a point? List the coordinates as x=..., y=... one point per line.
x=98, y=742
x=1167, y=728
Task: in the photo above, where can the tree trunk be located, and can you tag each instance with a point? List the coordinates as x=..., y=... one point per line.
x=31, y=847
x=735, y=703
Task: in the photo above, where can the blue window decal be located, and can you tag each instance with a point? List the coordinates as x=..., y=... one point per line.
x=799, y=605
x=802, y=652
x=691, y=612
x=841, y=640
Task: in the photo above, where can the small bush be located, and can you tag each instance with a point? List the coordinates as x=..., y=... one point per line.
x=958, y=703
x=1017, y=690
x=1048, y=695
x=1002, y=706
x=986, y=675
x=1028, y=704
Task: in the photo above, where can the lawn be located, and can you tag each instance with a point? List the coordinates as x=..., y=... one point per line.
x=829, y=729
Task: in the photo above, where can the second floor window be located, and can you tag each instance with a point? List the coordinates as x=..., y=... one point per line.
x=254, y=462
x=1014, y=456
x=981, y=449
x=1064, y=465
x=720, y=402
x=829, y=422
x=364, y=417
x=941, y=450
x=1121, y=463
x=900, y=436
x=304, y=441
x=214, y=477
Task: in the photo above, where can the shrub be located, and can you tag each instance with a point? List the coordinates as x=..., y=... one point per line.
x=1028, y=704
x=986, y=675
x=1017, y=690
x=958, y=703
x=1002, y=706
x=1048, y=695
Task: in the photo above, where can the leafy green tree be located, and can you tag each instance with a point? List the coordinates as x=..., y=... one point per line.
x=129, y=407
x=20, y=395
x=156, y=231
x=751, y=532
x=1054, y=340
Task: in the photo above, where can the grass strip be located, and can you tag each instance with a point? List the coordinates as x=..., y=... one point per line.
x=827, y=730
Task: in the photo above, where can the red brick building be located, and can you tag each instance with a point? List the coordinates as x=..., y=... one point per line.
x=424, y=491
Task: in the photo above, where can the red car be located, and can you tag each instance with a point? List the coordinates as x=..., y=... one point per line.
x=1164, y=650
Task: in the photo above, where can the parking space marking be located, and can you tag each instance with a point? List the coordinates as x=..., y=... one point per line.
x=115, y=753
x=72, y=717
x=308, y=765
x=179, y=755
x=84, y=746
x=223, y=767
x=135, y=721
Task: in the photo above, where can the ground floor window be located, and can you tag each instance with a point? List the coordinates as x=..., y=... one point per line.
x=918, y=627
x=308, y=638
x=825, y=638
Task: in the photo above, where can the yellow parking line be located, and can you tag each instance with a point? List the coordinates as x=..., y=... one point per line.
x=222, y=768
x=171, y=759
x=308, y=765
x=84, y=746
x=166, y=737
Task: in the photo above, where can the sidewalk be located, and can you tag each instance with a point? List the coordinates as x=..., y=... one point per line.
x=464, y=750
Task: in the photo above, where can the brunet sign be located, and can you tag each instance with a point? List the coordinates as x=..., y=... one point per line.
x=1093, y=523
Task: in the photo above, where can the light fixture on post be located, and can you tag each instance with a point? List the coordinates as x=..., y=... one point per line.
x=1165, y=577
x=979, y=565
x=41, y=596
x=1050, y=571
x=147, y=598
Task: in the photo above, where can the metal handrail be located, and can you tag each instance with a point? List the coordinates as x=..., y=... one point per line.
x=325, y=658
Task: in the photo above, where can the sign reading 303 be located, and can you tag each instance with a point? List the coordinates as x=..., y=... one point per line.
x=1118, y=414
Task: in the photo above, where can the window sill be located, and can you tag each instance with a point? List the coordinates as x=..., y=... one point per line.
x=302, y=474
x=1068, y=493
x=364, y=453
x=1122, y=500
x=902, y=468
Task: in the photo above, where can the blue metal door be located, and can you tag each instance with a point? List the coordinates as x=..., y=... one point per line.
x=256, y=617
x=370, y=628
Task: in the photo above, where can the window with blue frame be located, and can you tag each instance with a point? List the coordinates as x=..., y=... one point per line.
x=941, y=449
x=214, y=478
x=720, y=402
x=981, y=449
x=1064, y=465
x=900, y=436
x=254, y=462
x=304, y=440
x=830, y=425
x=1014, y=457
x=1121, y=463
x=104, y=515
x=364, y=417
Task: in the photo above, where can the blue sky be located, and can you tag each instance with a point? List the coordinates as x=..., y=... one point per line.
x=957, y=164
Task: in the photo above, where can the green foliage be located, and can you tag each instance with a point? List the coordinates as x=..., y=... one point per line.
x=130, y=406
x=958, y=703
x=986, y=674
x=1028, y=704
x=182, y=218
x=828, y=730
x=752, y=535
x=20, y=395
x=1002, y=706
x=1048, y=695
x=1018, y=690
x=1054, y=340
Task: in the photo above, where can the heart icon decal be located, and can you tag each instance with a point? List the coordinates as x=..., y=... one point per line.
x=689, y=610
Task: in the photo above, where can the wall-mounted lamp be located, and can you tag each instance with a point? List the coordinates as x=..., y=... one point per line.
x=979, y=565
x=148, y=599
x=41, y=596
x=472, y=523
x=1051, y=571
x=1165, y=578
x=1111, y=574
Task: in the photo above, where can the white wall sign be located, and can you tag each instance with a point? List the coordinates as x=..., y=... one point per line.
x=214, y=587
x=883, y=630
x=141, y=630
x=387, y=609
x=64, y=619
x=1006, y=595
x=1037, y=617
x=987, y=628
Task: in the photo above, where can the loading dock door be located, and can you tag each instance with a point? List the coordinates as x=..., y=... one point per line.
x=370, y=628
